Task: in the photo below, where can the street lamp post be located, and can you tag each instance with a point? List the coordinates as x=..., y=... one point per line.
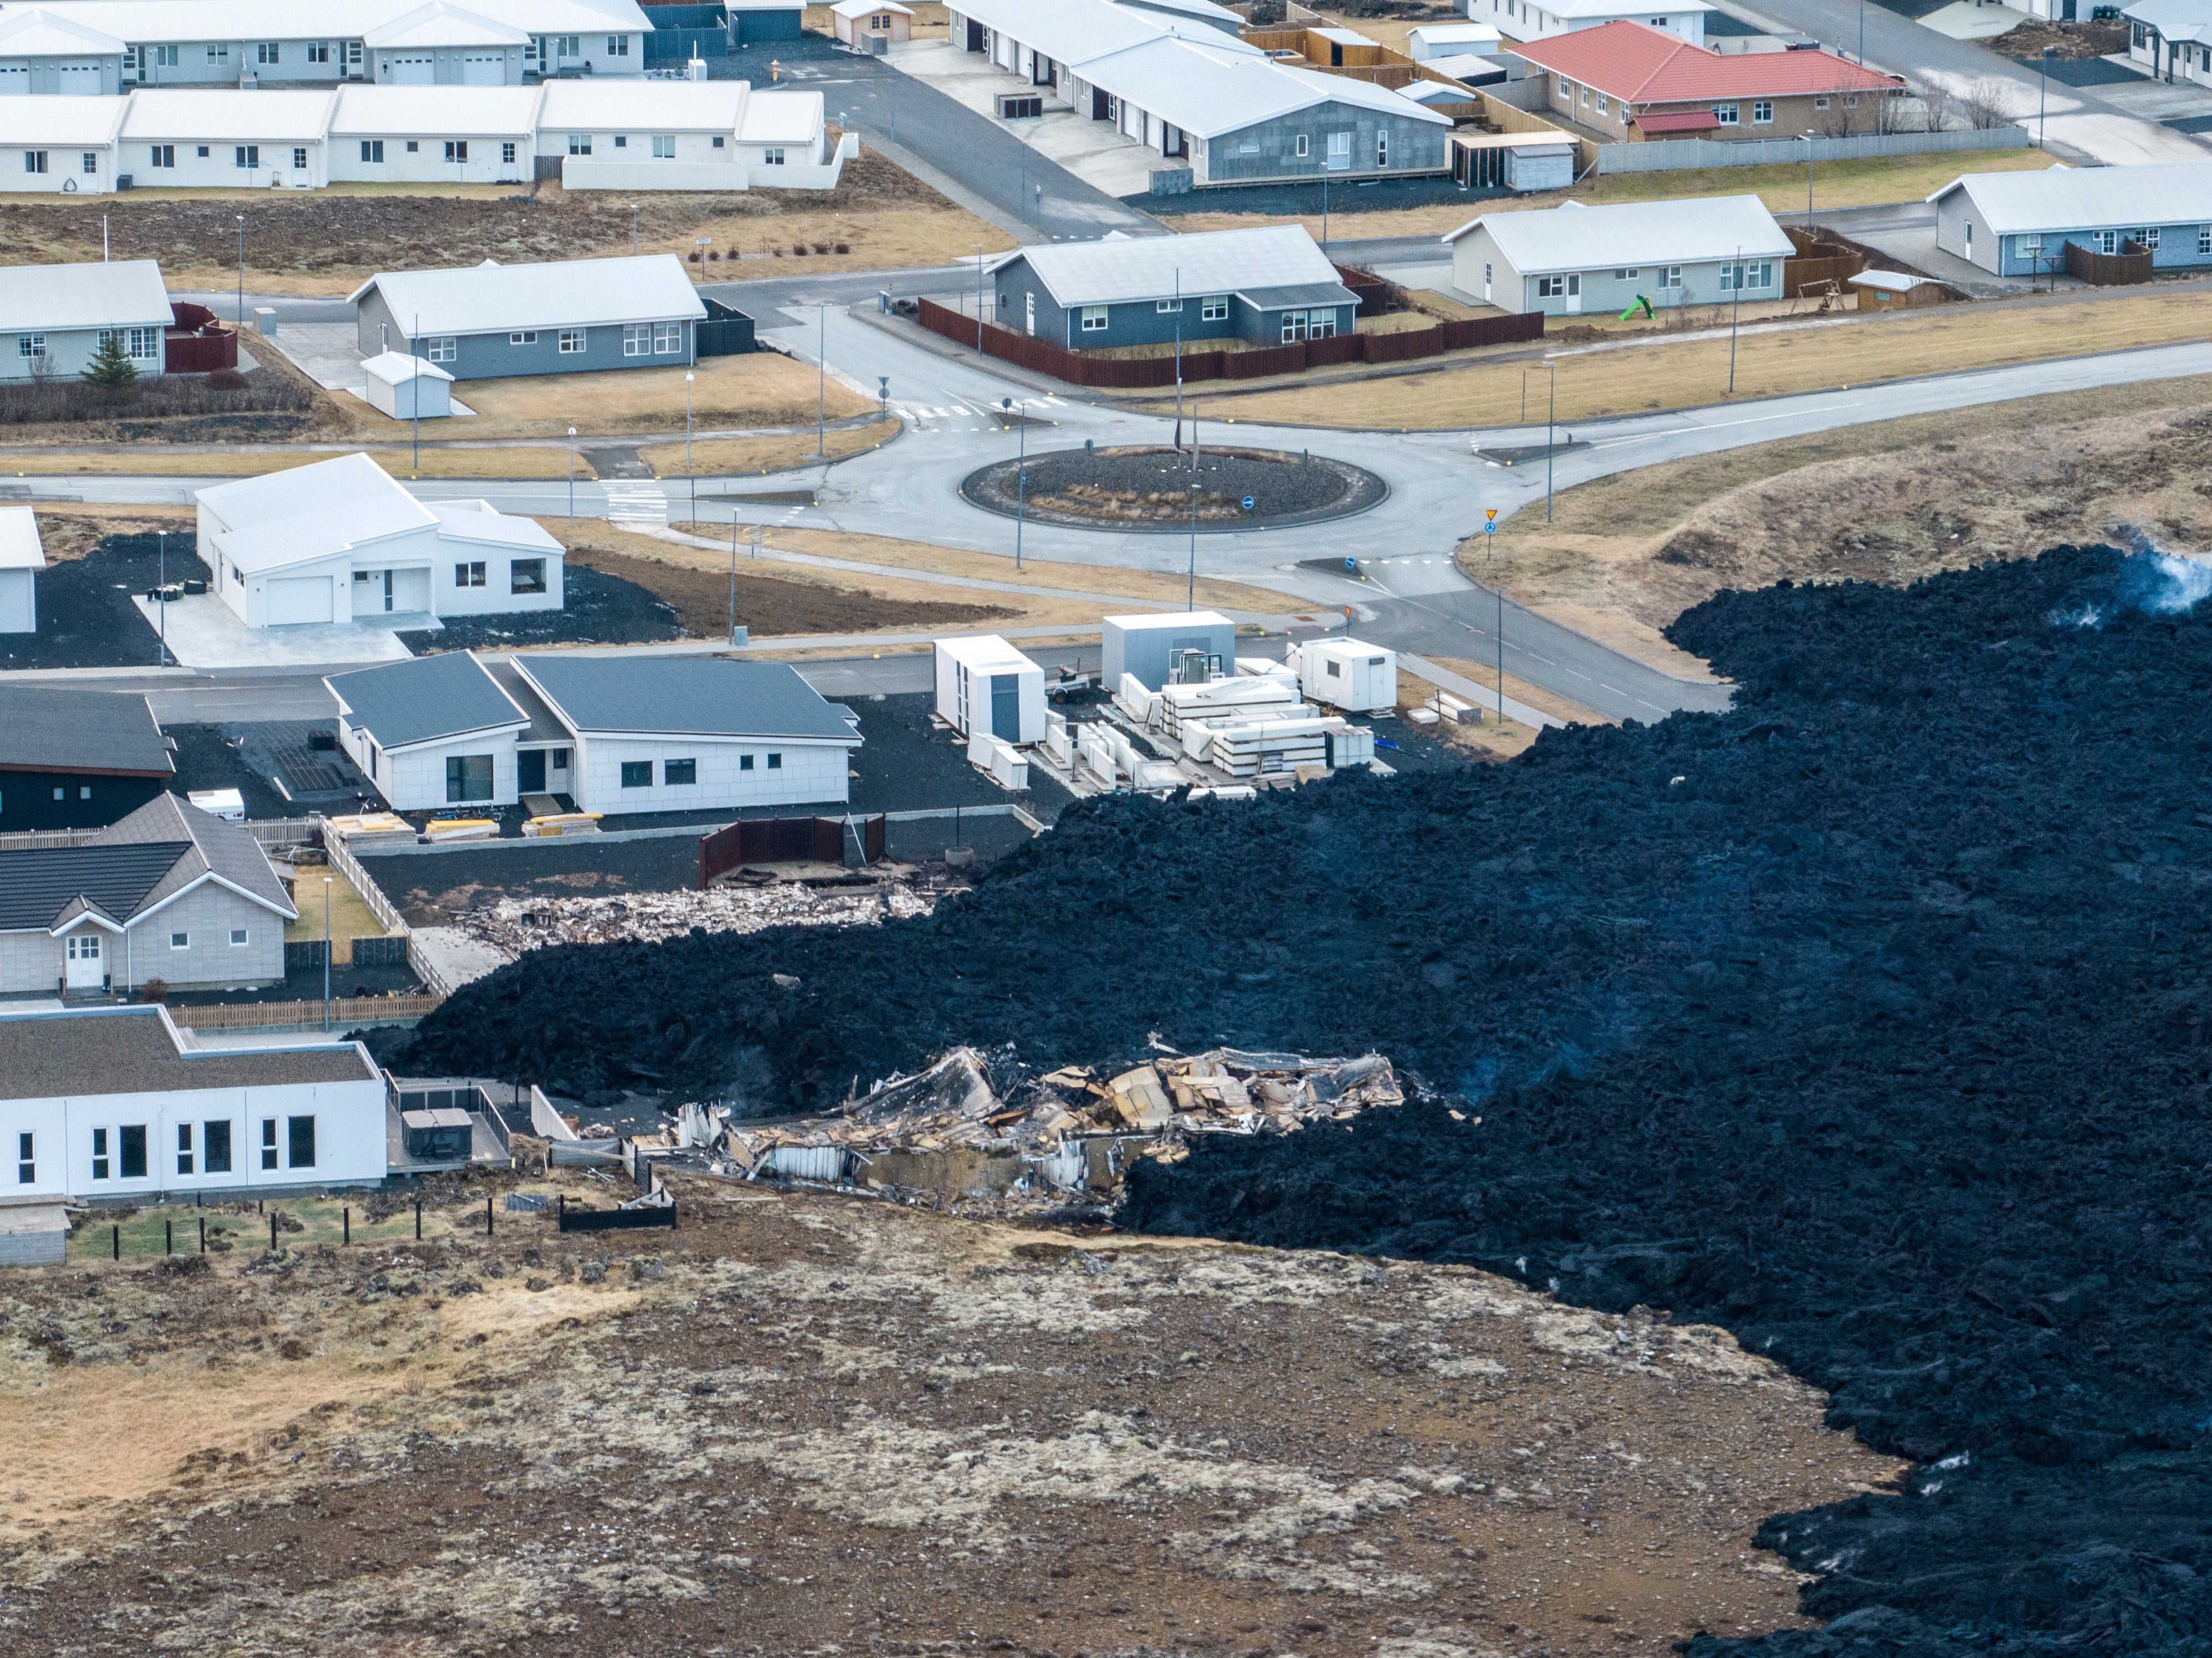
x=978, y=246
x=2042, y=96
x=242, y=274
x=163, y=579
x=822, y=381
x=1735, y=305
x=572, y=475
x=1811, y=156
x=326, y=952
x=1021, y=474
x=1178, y=356
x=688, y=473
x=1551, y=426
x=1862, y=32
x=734, y=578
x=632, y=229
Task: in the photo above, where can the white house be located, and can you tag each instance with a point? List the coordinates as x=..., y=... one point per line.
x=691, y=734
x=119, y=1103
x=1533, y=20
x=688, y=135
x=22, y=556
x=340, y=541
x=206, y=138
x=433, y=135
x=984, y=683
x=441, y=731
x=1563, y=260
x=168, y=892
x=53, y=316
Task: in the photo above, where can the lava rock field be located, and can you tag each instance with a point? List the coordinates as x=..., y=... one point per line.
x=1868, y=1019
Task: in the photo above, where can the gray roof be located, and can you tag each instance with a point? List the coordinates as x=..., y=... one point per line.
x=1118, y=271
x=132, y=865
x=544, y=726
x=127, y=293
x=2089, y=198
x=423, y=699
x=1275, y=299
x=492, y=299
x=687, y=696
x=110, y=732
x=1536, y=241
x=133, y=1050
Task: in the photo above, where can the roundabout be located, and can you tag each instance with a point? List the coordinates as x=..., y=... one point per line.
x=1151, y=488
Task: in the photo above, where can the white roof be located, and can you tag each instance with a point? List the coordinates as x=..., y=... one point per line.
x=440, y=24
x=2089, y=198
x=222, y=115
x=1578, y=238
x=1205, y=90
x=1073, y=32
x=980, y=651
x=20, y=548
x=479, y=520
x=1892, y=282
x=1206, y=10
x=34, y=33
x=785, y=117
x=310, y=513
x=1151, y=267
x=1466, y=64
x=388, y=111
x=126, y=294
x=862, y=8
x=2174, y=19
x=396, y=368
x=64, y=122
x=489, y=298
x=155, y=20
x=595, y=105
x=1452, y=34
x=1152, y=620
x=1579, y=8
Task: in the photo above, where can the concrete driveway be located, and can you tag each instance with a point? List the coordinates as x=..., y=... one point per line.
x=326, y=354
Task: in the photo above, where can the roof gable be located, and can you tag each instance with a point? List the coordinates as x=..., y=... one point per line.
x=424, y=699
x=488, y=298
x=1538, y=241
x=1129, y=269
x=308, y=512
x=2089, y=198
x=124, y=293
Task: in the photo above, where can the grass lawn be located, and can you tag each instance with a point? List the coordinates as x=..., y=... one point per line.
x=762, y=388
x=321, y=1220
x=542, y=462
x=350, y=917
x=1870, y=182
x=1635, y=378
x=776, y=452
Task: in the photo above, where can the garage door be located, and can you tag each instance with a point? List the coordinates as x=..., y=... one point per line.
x=80, y=79
x=410, y=70
x=482, y=69
x=14, y=81
x=298, y=598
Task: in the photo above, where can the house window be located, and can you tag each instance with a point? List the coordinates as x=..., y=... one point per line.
x=2148, y=237
x=1301, y=150
x=1214, y=307
x=1671, y=277
x=622, y=141
x=1725, y=114
x=637, y=774
x=572, y=341
x=1339, y=152
x=90, y=161
x=34, y=160
x=506, y=154
x=1557, y=288
x=214, y=1148
x=445, y=348
x=2029, y=246
x=268, y=1142
x=579, y=143
x=84, y=792
x=130, y=1152
x=526, y=575
x=679, y=773
x=717, y=141
x=617, y=46
x=469, y=576
x=353, y=51
x=299, y=155
x=560, y=761
x=667, y=337
x=372, y=151
x=2205, y=241
x=1586, y=97
x=1819, y=103
x=664, y=146
x=771, y=158
x=457, y=149
x=1566, y=88
x=1094, y=319
x=202, y=152
x=238, y=937
x=1320, y=324
x=468, y=777
x=161, y=155
x=775, y=762
x=27, y=1166
x=1762, y=112
x=1294, y=327
x=300, y=1132
x=2108, y=242
x=1735, y=278
x=526, y=336
x=572, y=46
x=1627, y=276
x=165, y=57
x=99, y=1154
x=248, y=155
x=183, y=1148
x=32, y=345
x=266, y=52
x=1851, y=102
x=1163, y=307
x=220, y=53
x=1601, y=103
x=319, y=51
x=637, y=339
x=180, y=941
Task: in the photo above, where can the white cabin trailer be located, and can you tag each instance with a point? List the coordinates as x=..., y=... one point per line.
x=1348, y=674
x=986, y=684
x=1153, y=646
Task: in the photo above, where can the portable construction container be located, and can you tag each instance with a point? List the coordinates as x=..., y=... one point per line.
x=1168, y=647
x=985, y=685
x=1348, y=674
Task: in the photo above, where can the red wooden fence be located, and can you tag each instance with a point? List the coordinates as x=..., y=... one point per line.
x=196, y=341
x=785, y=841
x=1138, y=373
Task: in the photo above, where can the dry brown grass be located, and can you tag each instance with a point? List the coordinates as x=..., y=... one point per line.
x=761, y=388
x=776, y=451
x=1890, y=502
x=537, y=463
x=1631, y=379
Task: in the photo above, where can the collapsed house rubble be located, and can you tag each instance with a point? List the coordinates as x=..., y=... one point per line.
x=513, y=927
x=971, y=1131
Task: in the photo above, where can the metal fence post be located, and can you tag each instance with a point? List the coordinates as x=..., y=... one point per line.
x=168, y=1237
x=118, y=1240
x=346, y=1219
x=488, y=1220
x=272, y=1234
x=203, y=1235
x=418, y=1220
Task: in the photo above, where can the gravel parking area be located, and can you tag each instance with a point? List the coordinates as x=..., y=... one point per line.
x=597, y=609
x=1148, y=488
x=86, y=618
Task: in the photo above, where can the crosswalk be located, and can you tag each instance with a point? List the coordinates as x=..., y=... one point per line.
x=970, y=416
x=636, y=502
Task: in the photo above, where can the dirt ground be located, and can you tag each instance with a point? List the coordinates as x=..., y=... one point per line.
x=1888, y=503
x=330, y=241
x=798, y=1421
x=2026, y=41
x=773, y=453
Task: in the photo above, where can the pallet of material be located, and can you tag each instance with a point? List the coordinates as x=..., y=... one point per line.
x=1252, y=747
x=367, y=833
x=1226, y=699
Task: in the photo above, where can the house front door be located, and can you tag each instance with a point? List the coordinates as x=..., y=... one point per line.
x=82, y=968
x=530, y=771
x=1574, y=296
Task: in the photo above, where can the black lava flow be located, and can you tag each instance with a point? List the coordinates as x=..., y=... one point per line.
x=1868, y=1020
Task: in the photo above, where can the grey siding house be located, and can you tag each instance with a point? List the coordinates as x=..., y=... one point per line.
x=1268, y=286
x=1572, y=260
x=2019, y=224
x=494, y=322
x=42, y=56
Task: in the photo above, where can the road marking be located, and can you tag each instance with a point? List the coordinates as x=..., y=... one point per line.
x=631, y=501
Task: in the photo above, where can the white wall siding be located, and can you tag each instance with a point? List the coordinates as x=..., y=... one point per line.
x=274, y=162
x=489, y=161
x=64, y=173
x=497, y=596
x=414, y=779
x=814, y=773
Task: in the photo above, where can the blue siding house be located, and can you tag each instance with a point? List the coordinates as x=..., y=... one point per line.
x=1268, y=286
x=2018, y=224
x=493, y=321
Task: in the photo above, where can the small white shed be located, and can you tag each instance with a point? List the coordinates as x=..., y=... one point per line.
x=985, y=686
x=1159, y=645
x=21, y=557
x=1349, y=674
x=407, y=387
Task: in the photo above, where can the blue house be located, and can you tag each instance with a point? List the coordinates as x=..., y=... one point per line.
x=493, y=321
x=1268, y=286
x=2018, y=224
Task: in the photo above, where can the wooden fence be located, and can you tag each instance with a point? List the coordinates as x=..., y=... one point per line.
x=269, y=832
x=2130, y=264
x=785, y=841
x=1138, y=373
x=345, y=1012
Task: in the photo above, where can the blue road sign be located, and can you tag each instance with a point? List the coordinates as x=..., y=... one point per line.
x=1248, y=503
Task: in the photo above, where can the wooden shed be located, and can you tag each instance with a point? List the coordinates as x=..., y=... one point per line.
x=862, y=23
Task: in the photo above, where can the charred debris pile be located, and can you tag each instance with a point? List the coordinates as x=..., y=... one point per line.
x=1869, y=1020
